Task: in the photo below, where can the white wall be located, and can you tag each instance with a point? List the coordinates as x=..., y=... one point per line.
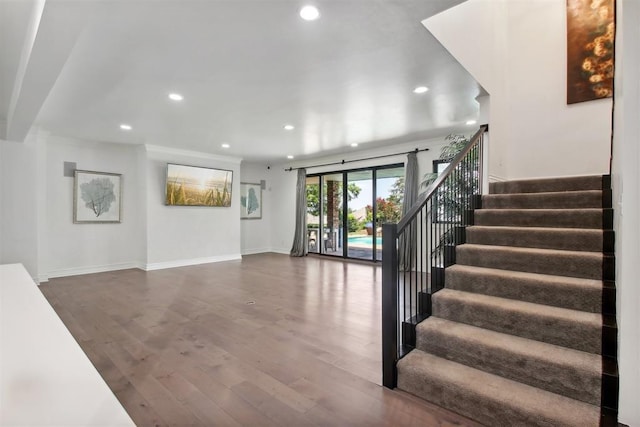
x=36, y=210
x=84, y=248
x=18, y=205
x=256, y=233
x=626, y=185
x=186, y=235
x=516, y=49
x=141, y=206
x=284, y=183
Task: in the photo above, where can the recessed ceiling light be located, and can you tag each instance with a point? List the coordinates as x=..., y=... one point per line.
x=125, y=127
x=289, y=157
x=176, y=97
x=471, y=122
x=420, y=89
x=354, y=145
x=225, y=146
x=309, y=13
x=289, y=127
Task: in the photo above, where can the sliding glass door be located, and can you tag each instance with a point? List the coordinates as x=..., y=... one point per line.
x=346, y=210
x=313, y=214
x=359, y=213
x=389, y=198
x=332, y=212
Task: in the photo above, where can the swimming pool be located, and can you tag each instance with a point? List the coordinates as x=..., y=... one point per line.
x=364, y=241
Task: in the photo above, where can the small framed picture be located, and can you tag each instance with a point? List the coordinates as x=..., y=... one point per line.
x=97, y=197
x=250, y=201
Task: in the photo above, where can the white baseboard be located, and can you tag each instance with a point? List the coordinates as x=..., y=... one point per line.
x=188, y=262
x=266, y=251
x=281, y=251
x=76, y=271
x=256, y=251
x=495, y=178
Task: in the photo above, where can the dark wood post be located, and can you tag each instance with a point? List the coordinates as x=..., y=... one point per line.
x=389, y=305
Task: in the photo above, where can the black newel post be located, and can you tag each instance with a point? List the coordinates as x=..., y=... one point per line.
x=389, y=305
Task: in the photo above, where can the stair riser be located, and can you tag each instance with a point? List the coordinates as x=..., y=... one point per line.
x=558, y=378
x=495, y=408
x=591, y=219
x=587, y=265
x=562, y=239
x=560, y=230
x=558, y=331
x=551, y=185
x=560, y=294
x=467, y=404
x=566, y=200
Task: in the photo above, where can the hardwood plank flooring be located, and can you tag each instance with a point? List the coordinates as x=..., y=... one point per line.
x=267, y=341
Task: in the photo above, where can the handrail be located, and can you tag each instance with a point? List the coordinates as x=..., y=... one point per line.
x=415, y=208
x=417, y=250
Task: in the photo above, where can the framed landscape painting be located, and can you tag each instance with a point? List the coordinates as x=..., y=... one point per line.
x=198, y=186
x=250, y=201
x=97, y=197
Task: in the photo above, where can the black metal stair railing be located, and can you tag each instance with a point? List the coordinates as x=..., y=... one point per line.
x=416, y=251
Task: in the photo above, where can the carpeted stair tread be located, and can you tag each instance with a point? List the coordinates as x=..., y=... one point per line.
x=488, y=398
x=560, y=291
x=574, y=329
x=524, y=331
x=557, y=218
x=558, y=200
x=547, y=185
x=568, y=372
x=573, y=239
x=587, y=265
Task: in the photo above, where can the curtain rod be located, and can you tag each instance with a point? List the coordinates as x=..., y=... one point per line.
x=357, y=160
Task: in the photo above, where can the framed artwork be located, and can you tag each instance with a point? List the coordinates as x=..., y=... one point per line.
x=97, y=197
x=590, y=43
x=439, y=165
x=250, y=201
x=198, y=186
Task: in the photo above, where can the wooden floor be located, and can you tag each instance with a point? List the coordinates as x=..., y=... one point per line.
x=267, y=341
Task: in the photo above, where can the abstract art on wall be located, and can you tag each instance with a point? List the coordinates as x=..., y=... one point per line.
x=590, y=42
x=250, y=201
x=97, y=197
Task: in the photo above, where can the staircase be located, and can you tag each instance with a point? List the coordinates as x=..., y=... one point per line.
x=524, y=331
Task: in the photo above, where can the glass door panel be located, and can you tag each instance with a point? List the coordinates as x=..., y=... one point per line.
x=360, y=214
x=332, y=212
x=346, y=210
x=313, y=214
x=389, y=198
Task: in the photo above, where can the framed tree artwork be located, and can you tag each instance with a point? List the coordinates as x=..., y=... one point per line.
x=97, y=197
x=250, y=201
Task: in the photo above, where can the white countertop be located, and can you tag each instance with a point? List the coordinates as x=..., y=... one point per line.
x=45, y=378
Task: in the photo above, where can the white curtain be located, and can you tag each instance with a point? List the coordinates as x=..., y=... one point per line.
x=299, y=247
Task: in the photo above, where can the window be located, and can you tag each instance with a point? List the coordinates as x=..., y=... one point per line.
x=346, y=210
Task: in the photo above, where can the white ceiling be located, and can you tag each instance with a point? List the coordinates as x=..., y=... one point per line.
x=245, y=69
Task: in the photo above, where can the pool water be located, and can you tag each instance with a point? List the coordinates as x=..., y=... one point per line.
x=365, y=240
